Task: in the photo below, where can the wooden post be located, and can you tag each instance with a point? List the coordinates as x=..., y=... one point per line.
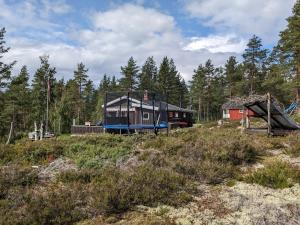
x=269, y=113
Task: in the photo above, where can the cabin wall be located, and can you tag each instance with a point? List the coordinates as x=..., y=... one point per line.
x=237, y=114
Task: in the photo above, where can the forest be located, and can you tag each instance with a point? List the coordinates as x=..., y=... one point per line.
x=259, y=70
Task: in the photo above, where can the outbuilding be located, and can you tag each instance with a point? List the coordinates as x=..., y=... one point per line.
x=233, y=109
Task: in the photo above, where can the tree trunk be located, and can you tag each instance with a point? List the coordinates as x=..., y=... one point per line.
x=199, y=109
x=10, y=133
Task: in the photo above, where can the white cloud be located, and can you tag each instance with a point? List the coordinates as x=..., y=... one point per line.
x=215, y=44
x=31, y=14
x=115, y=35
x=242, y=17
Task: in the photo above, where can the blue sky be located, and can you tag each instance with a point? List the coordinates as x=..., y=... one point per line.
x=103, y=34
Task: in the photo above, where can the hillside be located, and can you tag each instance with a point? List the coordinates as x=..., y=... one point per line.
x=201, y=175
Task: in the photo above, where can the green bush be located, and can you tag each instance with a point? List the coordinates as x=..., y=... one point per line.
x=277, y=175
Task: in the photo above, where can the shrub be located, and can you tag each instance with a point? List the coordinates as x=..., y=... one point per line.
x=119, y=191
x=14, y=176
x=57, y=205
x=277, y=175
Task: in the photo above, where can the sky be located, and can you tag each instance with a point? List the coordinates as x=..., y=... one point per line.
x=103, y=34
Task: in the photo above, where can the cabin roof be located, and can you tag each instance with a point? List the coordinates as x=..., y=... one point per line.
x=148, y=104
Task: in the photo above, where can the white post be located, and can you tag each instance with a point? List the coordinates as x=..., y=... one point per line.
x=35, y=131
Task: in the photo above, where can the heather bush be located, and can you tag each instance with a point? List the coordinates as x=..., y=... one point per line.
x=276, y=175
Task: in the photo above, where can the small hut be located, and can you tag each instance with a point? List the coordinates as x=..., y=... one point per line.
x=234, y=109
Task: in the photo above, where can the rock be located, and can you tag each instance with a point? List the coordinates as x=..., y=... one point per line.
x=55, y=167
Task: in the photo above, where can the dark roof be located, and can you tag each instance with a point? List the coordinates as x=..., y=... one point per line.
x=238, y=102
x=177, y=108
x=279, y=119
x=234, y=103
x=149, y=103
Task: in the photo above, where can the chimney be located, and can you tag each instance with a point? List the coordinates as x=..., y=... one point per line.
x=146, y=95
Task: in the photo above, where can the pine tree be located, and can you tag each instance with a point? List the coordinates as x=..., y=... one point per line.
x=290, y=43
x=254, y=61
x=130, y=72
x=43, y=82
x=80, y=77
x=148, y=75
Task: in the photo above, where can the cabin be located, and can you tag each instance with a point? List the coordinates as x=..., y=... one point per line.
x=147, y=112
x=234, y=110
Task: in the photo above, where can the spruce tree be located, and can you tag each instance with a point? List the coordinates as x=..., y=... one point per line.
x=129, y=72
x=89, y=96
x=148, y=75
x=67, y=107
x=18, y=100
x=198, y=84
x=106, y=85
x=231, y=75
x=4, y=68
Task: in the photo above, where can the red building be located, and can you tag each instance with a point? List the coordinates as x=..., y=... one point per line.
x=234, y=110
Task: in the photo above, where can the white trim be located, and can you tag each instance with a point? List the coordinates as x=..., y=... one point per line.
x=119, y=99
x=144, y=106
x=116, y=109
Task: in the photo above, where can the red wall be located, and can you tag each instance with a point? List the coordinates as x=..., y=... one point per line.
x=235, y=114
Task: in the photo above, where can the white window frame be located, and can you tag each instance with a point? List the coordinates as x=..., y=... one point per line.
x=226, y=114
x=148, y=116
x=176, y=115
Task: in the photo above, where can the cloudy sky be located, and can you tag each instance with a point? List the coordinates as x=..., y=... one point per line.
x=103, y=34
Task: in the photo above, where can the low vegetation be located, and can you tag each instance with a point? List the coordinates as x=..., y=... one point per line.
x=117, y=173
x=276, y=175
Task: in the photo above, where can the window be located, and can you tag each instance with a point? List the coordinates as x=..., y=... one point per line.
x=170, y=114
x=226, y=114
x=241, y=111
x=184, y=115
x=176, y=114
x=146, y=116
